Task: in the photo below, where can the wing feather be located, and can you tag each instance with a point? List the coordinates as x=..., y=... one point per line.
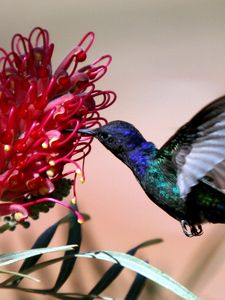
x=197, y=149
x=217, y=175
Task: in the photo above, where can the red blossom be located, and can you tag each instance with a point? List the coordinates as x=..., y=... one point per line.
x=37, y=106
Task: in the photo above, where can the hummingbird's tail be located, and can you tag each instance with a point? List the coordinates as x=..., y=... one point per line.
x=210, y=201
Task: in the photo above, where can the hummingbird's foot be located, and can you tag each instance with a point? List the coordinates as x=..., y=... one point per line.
x=191, y=230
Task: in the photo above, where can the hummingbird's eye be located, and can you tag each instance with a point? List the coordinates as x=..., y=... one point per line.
x=103, y=135
x=106, y=138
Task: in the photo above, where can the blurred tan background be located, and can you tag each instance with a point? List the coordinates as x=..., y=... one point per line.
x=168, y=62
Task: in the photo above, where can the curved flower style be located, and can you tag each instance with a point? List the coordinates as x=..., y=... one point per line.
x=37, y=106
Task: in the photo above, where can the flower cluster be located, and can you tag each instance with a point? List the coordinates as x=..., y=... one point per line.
x=41, y=112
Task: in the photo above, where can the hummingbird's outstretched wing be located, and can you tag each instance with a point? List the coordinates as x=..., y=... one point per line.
x=197, y=149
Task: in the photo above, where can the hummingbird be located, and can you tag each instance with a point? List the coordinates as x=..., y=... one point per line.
x=186, y=176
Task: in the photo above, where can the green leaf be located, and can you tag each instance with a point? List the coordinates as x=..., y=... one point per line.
x=42, y=242
x=72, y=296
x=113, y=272
x=11, y=281
x=9, y=258
x=74, y=237
x=136, y=287
x=144, y=244
x=143, y=268
x=63, y=296
x=19, y=275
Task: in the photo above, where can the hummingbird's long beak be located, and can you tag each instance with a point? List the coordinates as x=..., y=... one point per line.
x=87, y=131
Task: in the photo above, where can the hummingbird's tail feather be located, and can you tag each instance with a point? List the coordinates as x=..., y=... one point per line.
x=216, y=214
x=206, y=203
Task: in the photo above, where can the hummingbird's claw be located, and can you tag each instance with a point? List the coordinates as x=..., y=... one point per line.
x=191, y=230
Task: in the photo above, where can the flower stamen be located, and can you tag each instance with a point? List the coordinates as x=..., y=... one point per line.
x=7, y=148
x=51, y=163
x=50, y=172
x=44, y=145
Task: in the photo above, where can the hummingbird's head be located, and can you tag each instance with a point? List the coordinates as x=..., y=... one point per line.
x=117, y=136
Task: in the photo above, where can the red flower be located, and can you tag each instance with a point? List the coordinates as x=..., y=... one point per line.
x=37, y=105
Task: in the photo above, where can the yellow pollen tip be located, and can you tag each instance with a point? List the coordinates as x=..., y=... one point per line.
x=82, y=179
x=7, y=148
x=50, y=173
x=18, y=216
x=80, y=221
x=73, y=200
x=44, y=145
x=51, y=163
x=78, y=171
